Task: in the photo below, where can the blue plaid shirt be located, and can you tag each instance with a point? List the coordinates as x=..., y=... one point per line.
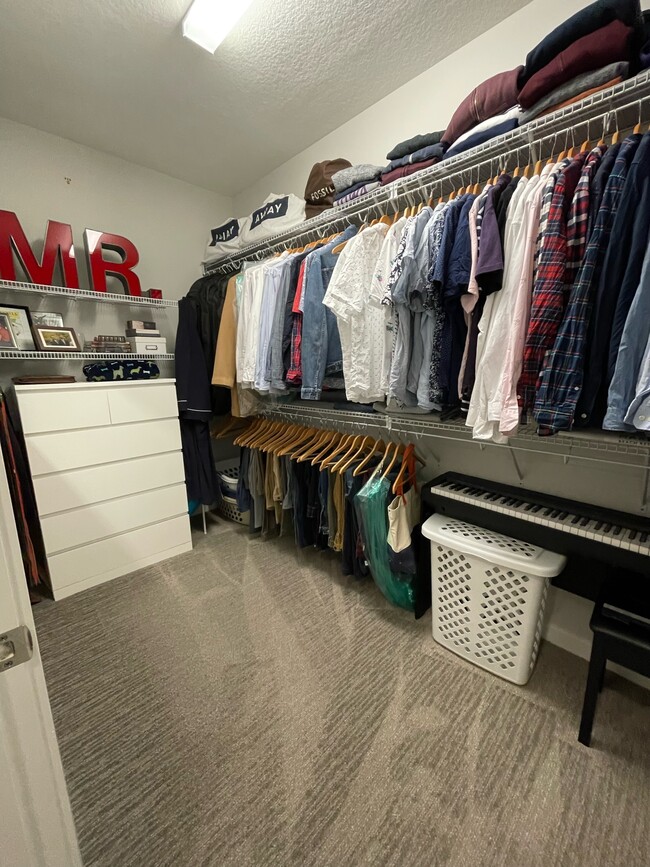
x=562, y=377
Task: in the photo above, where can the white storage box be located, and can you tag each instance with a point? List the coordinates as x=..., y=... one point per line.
x=488, y=595
x=157, y=345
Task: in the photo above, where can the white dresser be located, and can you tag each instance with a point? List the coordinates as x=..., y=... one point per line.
x=108, y=474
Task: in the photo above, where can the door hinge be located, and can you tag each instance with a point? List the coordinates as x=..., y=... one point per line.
x=16, y=646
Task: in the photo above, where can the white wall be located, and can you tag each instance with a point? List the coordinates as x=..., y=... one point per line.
x=421, y=105
x=167, y=220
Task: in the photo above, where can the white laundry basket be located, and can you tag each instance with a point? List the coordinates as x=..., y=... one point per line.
x=488, y=595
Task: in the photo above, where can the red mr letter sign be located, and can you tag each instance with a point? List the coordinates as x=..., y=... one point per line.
x=58, y=247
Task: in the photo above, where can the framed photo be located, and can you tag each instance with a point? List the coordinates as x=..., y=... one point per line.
x=52, y=338
x=7, y=339
x=41, y=317
x=19, y=320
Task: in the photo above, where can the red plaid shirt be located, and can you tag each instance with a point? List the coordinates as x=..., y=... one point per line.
x=556, y=264
x=294, y=374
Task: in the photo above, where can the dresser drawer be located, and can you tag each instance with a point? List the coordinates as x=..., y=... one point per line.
x=75, y=488
x=142, y=403
x=117, y=555
x=44, y=411
x=91, y=523
x=55, y=452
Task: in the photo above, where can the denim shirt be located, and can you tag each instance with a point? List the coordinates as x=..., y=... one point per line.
x=321, y=353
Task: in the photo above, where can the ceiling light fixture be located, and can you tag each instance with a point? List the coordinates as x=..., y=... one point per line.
x=208, y=22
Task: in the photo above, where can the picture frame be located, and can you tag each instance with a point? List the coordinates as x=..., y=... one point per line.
x=21, y=324
x=43, y=317
x=55, y=338
x=7, y=336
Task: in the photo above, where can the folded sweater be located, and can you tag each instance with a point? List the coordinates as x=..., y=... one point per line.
x=411, y=145
x=578, y=85
x=352, y=175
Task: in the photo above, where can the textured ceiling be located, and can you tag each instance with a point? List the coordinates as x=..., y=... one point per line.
x=118, y=76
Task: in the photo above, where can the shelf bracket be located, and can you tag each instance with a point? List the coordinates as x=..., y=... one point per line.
x=646, y=479
x=520, y=475
x=566, y=458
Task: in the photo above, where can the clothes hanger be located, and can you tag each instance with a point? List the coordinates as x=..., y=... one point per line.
x=344, y=443
x=295, y=443
x=378, y=447
x=392, y=462
x=349, y=452
x=287, y=433
x=262, y=431
x=408, y=463
x=244, y=435
x=334, y=440
x=344, y=464
x=386, y=220
x=314, y=446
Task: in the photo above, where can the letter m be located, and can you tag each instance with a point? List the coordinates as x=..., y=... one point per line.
x=57, y=246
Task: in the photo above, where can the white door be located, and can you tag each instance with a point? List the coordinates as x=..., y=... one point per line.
x=36, y=827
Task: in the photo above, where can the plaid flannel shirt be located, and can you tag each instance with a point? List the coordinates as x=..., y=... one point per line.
x=561, y=381
x=294, y=374
x=547, y=198
x=549, y=294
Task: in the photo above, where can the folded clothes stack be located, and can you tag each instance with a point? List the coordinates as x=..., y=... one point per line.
x=355, y=181
x=594, y=49
x=578, y=88
x=413, y=155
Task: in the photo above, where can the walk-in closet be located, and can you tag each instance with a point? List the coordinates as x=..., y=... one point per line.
x=324, y=411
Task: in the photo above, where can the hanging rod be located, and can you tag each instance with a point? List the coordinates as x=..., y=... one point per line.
x=630, y=450
x=618, y=102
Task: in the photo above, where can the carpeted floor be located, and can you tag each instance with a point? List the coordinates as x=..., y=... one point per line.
x=244, y=704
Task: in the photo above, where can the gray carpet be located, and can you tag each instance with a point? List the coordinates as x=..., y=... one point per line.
x=245, y=704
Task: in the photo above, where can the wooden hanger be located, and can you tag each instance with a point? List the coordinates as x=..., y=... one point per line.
x=386, y=220
x=342, y=446
x=348, y=454
x=409, y=453
x=515, y=174
x=333, y=441
x=344, y=464
x=378, y=447
x=314, y=446
x=294, y=443
x=585, y=146
x=394, y=458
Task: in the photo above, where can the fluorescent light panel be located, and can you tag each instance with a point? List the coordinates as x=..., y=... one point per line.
x=208, y=22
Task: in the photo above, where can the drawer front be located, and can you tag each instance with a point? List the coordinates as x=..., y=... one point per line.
x=142, y=403
x=76, y=488
x=82, y=526
x=53, y=453
x=79, y=564
x=44, y=411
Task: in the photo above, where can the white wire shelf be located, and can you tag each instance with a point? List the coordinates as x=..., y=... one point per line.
x=585, y=119
x=86, y=294
x=67, y=355
x=594, y=445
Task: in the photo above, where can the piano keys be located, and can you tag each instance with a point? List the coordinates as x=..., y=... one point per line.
x=593, y=534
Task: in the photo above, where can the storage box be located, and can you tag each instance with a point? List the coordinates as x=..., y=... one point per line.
x=149, y=344
x=488, y=595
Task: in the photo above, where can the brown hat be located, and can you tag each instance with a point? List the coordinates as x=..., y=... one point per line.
x=319, y=192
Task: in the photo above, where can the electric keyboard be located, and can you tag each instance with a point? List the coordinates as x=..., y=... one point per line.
x=567, y=527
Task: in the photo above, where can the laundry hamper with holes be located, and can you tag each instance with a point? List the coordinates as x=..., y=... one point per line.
x=488, y=595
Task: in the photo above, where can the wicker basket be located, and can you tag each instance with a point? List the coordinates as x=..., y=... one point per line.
x=488, y=595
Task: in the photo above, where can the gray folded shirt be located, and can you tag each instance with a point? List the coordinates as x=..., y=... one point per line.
x=577, y=85
x=404, y=148
x=354, y=174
